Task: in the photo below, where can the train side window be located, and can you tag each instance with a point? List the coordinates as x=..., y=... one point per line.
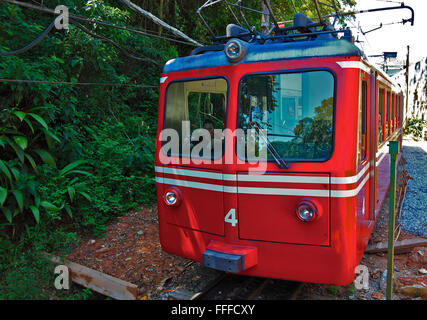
x=364, y=119
x=387, y=116
x=381, y=116
x=394, y=112
x=399, y=111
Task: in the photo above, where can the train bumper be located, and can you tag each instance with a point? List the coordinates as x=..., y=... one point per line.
x=230, y=258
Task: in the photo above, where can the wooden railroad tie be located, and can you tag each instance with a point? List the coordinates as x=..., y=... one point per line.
x=97, y=281
x=403, y=244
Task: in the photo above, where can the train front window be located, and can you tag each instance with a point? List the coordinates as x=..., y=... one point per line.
x=194, y=105
x=296, y=111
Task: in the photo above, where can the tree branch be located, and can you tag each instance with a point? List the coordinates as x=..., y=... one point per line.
x=159, y=22
x=125, y=51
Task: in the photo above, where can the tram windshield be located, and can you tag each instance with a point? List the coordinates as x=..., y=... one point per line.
x=195, y=112
x=296, y=111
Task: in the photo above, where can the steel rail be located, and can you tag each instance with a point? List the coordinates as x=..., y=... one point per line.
x=254, y=285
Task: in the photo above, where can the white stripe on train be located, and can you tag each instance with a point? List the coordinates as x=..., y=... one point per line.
x=264, y=191
x=261, y=177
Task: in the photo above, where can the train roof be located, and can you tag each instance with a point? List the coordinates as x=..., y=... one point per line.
x=268, y=51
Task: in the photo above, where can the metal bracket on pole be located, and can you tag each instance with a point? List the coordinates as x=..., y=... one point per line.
x=394, y=151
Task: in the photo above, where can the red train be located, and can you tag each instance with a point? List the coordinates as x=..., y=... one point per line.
x=321, y=115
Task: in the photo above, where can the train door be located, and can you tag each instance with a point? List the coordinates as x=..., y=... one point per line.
x=366, y=149
x=362, y=161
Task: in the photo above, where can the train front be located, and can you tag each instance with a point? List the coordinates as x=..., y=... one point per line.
x=250, y=139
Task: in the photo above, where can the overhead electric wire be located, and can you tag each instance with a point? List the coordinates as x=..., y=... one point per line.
x=385, y=24
x=127, y=52
x=85, y=19
x=109, y=84
x=31, y=44
x=390, y=1
x=359, y=29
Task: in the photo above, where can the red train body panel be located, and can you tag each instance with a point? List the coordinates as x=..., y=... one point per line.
x=348, y=187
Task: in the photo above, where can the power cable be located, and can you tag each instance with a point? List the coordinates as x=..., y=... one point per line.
x=127, y=52
x=79, y=83
x=32, y=44
x=90, y=20
x=50, y=27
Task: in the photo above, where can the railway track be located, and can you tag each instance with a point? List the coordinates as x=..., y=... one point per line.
x=235, y=287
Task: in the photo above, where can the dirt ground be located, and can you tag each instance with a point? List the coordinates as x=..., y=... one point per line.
x=131, y=251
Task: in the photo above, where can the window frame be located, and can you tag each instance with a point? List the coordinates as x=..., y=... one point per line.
x=278, y=72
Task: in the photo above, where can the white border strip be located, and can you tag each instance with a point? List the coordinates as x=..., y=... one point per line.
x=197, y=185
x=260, y=177
x=354, y=64
x=265, y=191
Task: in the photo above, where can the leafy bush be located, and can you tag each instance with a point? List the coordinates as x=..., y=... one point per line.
x=71, y=157
x=19, y=166
x=415, y=127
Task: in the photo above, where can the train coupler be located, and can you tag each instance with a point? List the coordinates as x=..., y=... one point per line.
x=229, y=258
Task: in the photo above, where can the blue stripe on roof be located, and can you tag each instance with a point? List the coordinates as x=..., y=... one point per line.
x=268, y=52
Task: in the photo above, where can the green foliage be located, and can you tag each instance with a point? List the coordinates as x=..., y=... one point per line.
x=415, y=127
x=20, y=169
x=71, y=157
x=25, y=274
x=21, y=134
x=333, y=290
x=75, y=125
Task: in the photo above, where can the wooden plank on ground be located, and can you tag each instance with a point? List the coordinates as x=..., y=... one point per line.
x=403, y=244
x=98, y=281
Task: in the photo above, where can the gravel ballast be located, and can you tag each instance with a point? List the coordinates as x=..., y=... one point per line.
x=414, y=211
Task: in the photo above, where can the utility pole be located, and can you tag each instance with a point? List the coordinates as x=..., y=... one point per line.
x=393, y=151
x=407, y=88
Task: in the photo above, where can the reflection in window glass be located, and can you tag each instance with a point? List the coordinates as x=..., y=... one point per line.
x=295, y=109
x=201, y=105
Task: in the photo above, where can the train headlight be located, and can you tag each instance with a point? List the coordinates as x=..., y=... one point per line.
x=173, y=197
x=235, y=50
x=306, y=211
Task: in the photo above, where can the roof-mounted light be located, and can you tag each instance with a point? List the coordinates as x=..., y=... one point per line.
x=235, y=50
